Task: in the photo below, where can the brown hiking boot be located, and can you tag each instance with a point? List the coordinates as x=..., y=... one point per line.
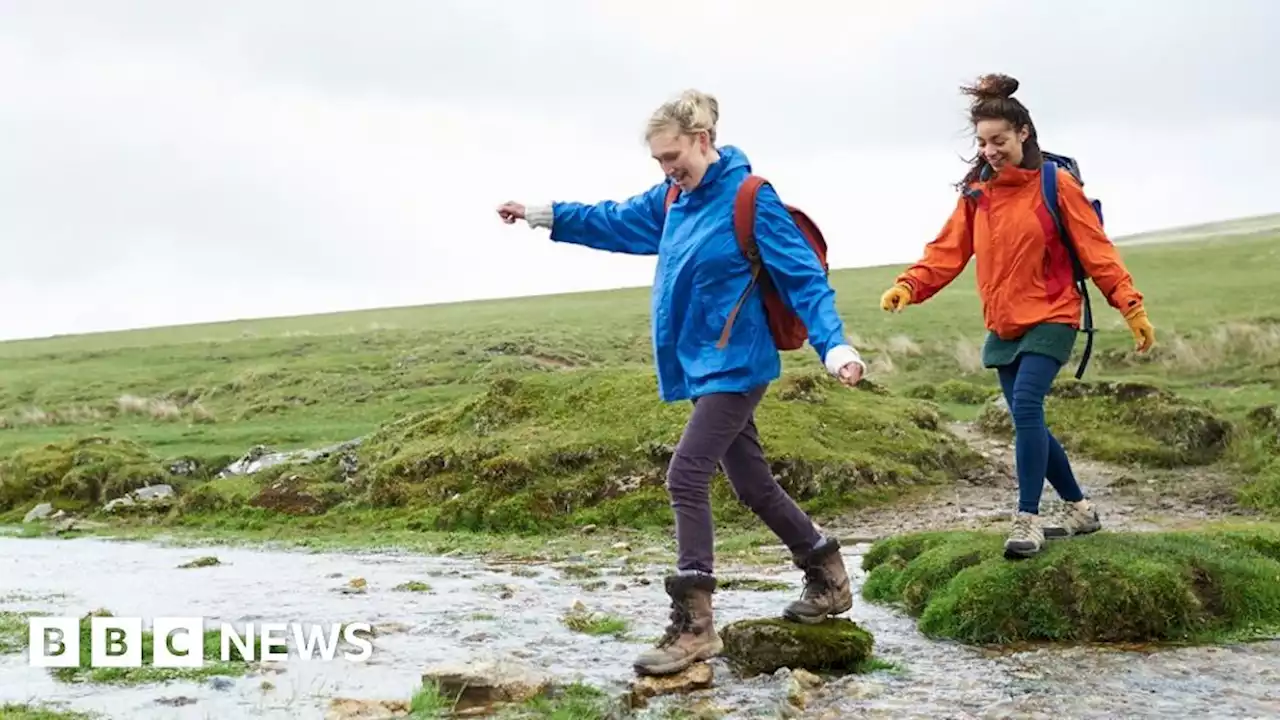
x=1078, y=518
x=826, y=585
x=691, y=636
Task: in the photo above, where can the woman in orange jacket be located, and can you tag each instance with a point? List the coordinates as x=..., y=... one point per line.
x=1029, y=303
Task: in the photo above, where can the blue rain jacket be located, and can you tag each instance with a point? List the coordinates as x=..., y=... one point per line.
x=701, y=273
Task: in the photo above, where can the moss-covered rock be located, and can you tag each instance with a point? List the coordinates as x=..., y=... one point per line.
x=591, y=446
x=1124, y=422
x=78, y=472
x=764, y=645
x=1222, y=583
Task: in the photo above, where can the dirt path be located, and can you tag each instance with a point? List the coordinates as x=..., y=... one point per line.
x=1132, y=499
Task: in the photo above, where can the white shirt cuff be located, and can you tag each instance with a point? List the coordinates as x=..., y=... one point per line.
x=841, y=355
x=540, y=215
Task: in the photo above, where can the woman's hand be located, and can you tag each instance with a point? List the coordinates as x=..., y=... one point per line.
x=510, y=212
x=850, y=374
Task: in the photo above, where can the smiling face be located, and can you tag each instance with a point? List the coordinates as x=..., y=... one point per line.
x=1000, y=143
x=683, y=158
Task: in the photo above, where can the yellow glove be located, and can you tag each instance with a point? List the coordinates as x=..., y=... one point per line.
x=1144, y=334
x=895, y=298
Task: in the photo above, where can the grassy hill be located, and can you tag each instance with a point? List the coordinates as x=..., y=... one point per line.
x=496, y=402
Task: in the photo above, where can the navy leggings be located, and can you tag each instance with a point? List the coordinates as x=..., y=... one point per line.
x=1025, y=382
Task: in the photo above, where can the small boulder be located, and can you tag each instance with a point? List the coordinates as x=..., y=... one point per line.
x=765, y=645
x=489, y=682
x=698, y=676
x=154, y=494
x=39, y=512
x=353, y=709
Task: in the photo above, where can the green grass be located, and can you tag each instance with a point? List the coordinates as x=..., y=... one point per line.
x=148, y=673
x=574, y=701
x=596, y=623
x=1218, y=584
x=13, y=631
x=537, y=415
x=27, y=711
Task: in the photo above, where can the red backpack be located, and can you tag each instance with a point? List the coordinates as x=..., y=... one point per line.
x=789, y=332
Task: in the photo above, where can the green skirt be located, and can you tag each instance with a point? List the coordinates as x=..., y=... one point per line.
x=1053, y=339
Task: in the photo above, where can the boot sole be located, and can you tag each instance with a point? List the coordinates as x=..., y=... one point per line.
x=1014, y=554
x=677, y=666
x=816, y=620
x=1064, y=535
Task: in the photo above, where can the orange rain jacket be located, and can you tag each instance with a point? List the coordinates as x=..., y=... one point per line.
x=1024, y=271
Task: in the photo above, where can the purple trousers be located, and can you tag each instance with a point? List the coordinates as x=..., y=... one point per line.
x=722, y=431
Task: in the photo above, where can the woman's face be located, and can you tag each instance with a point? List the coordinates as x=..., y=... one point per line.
x=1000, y=143
x=683, y=158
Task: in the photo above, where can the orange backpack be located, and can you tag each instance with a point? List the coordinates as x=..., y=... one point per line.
x=789, y=332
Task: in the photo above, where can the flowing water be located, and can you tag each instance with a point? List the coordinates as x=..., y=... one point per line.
x=480, y=609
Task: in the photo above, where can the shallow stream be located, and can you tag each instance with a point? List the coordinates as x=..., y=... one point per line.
x=477, y=609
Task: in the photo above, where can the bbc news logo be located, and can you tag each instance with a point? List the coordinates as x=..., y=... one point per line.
x=179, y=642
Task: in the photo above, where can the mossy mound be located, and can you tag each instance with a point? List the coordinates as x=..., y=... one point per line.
x=1209, y=585
x=77, y=472
x=953, y=391
x=762, y=646
x=592, y=446
x=1124, y=423
x=1255, y=451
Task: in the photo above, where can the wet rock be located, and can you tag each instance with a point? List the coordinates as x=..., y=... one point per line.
x=222, y=684
x=357, y=586
x=807, y=680
x=762, y=646
x=487, y=682
x=39, y=512
x=352, y=709
x=698, y=676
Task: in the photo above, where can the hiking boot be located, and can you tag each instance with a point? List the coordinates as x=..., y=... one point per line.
x=826, y=585
x=691, y=636
x=1078, y=518
x=1025, y=539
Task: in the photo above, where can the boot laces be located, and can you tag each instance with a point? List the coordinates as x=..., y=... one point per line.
x=815, y=581
x=681, y=622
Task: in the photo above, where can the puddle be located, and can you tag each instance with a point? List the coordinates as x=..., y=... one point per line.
x=477, y=609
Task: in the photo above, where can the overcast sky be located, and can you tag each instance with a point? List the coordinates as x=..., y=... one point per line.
x=177, y=161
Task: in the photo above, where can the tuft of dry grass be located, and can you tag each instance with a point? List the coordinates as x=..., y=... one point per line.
x=968, y=355
x=903, y=345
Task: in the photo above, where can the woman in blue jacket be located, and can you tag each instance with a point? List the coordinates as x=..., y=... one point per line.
x=700, y=275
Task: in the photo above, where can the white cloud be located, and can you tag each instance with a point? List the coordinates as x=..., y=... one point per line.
x=168, y=162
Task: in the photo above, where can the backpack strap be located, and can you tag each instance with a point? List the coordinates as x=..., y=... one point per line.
x=744, y=222
x=673, y=191
x=1049, y=189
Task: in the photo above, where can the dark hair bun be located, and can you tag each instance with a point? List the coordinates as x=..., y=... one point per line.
x=991, y=87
